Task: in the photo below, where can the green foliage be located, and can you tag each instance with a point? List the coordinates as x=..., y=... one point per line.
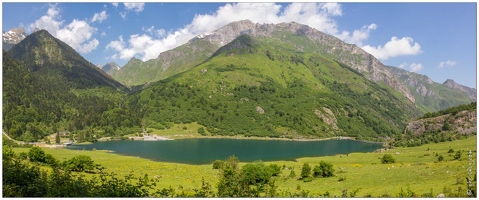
x=205, y=190
x=451, y=110
x=457, y=155
x=388, y=158
x=324, y=169
x=21, y=180
x=275, y=169
x=305, y=171
x=218, y=164
x=440, y=158
x=79, y=163
x=36, y=154
x=450, y=151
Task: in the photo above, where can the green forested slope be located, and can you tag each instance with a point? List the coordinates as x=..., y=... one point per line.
x=257, y=88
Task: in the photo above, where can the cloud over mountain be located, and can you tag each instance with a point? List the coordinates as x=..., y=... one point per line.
x=78, y=33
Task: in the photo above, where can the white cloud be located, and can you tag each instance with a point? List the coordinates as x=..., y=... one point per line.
x=103, y=34
x=148, y=30
x=358, y=35
x=415, y=67
x=114, y=4
x=160, y=32
x=99, y=17
x=447, y=64
x=403, y=65
x=78, y=34
x=137, y=7
x=123, y=15
x=395, y=47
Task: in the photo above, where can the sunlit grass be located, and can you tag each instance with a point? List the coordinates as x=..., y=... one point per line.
x=413, y=168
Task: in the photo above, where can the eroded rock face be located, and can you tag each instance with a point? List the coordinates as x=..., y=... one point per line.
x=464, y=122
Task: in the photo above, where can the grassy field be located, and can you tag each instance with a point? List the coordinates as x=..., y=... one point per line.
x=415, y=167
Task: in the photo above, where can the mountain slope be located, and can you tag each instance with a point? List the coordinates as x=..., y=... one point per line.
x=431, y=96
x=300, y=37
x=110, y=67
x=56, y=62
x=255, y=86
x=52, y=88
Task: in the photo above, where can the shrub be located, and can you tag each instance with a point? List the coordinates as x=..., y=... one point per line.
x=450, y=151
x=440, y=158
x=387, y=158
x=457, y=155
x=306, y=170
x=79, y=163
x=275, y=169
x=218, y=164
x=342, y=178
x=36, y=154
x=324, y=169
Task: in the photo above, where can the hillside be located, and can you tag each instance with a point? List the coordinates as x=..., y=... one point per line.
x=278, y=92
x=297, y=37
x=51, y=88
x=54, y=61
x=431, y=96
x=446, y=125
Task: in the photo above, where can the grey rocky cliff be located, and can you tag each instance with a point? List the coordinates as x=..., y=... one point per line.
x=110, y=67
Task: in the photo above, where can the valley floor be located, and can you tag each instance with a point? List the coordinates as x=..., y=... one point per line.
x=416, y=169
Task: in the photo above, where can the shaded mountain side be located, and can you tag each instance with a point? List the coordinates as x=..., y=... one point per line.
x=431, y=96
x=300, y=37
x=55, y=62
x=257, y=87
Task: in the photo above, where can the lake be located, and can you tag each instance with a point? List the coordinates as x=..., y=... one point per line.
x=207, y=150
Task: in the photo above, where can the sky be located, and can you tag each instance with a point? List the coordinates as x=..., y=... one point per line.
x=435, y=39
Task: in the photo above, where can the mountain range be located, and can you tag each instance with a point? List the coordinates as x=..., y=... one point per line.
x=283, y=80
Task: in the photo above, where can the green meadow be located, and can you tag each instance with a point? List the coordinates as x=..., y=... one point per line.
x=416, y=169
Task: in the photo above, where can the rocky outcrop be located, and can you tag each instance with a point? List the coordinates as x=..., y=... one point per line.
x=12, y=37
x=110, y=67
x=463, y=122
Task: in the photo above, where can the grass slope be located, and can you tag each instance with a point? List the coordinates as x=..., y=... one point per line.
x=302, y=96
x=415, y=167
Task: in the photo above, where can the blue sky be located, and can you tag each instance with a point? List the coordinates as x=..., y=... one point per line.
x=434, y=39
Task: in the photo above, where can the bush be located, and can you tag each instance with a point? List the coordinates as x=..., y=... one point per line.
x=36, y=154
x=324, y=169
x=79, y=163
x=201, y=131
x=218, y=164
x=440, y=158
x=306, y=170
x=275, y=169
x=387, y=158
x=457, y=155
x=450, y=151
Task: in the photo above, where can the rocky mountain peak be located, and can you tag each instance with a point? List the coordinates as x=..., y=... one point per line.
x=111, y=66
x=12, y=37
x=471, y=92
